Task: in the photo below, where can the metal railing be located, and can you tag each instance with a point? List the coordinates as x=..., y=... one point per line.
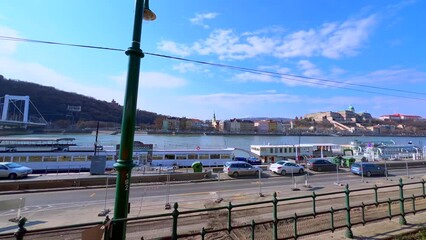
x=383, y=205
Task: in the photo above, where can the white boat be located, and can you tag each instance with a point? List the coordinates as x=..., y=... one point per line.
x=62, y=154
x=386, y=150
x=271, y=153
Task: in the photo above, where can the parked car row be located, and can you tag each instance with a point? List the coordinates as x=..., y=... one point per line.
x=284, y=167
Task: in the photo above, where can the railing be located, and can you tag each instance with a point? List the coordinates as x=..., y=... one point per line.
x=317, y=220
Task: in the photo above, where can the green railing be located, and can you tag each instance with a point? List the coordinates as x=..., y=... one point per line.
x=290, y=226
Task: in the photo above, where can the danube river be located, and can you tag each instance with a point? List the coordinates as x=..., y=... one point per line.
x=219, y=141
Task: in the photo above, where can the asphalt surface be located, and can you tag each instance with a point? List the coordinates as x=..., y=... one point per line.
x=57, y=208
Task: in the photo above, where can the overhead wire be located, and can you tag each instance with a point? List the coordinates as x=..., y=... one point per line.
x=292, y=77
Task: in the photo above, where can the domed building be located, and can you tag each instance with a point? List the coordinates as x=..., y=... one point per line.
x=344, y=116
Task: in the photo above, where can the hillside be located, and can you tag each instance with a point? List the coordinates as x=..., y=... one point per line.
x=53, y=104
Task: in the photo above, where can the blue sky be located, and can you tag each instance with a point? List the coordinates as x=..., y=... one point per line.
x=368, y=54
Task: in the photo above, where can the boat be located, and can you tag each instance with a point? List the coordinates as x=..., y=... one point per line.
x=62, y=154
x=271, y=153
x=386, y=150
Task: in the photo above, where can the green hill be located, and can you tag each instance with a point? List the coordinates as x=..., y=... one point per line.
x=53, y=104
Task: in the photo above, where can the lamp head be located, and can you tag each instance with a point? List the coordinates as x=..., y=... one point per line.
x=148, y=15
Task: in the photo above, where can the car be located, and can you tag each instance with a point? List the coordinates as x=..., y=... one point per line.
x=282, y=167
x=13, y=170
x=239, y=168
x=367, y=169
x=320, y=164
x=251, y=160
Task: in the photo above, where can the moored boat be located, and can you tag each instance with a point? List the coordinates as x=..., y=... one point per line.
x=62, y=154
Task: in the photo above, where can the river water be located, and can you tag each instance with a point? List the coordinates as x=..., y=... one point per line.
x=220, y=141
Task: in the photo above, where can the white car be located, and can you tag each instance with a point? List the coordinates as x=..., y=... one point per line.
x=282, y=167
x=13, y=170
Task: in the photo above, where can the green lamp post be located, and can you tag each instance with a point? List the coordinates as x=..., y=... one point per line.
x=124, y=163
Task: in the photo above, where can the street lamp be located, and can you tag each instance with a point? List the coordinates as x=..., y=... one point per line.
x=124, y=163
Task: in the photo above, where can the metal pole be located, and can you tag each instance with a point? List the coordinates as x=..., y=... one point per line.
x=406, y=166
x=124, y=163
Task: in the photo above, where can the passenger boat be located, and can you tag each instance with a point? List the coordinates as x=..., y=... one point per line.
x=272, y=153
x=387, y=150
x=62, y=154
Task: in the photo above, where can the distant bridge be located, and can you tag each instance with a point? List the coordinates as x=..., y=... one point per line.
x=15, y=113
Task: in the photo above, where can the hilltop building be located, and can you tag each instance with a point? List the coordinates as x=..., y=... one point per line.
x=345, y=116
x=399, y=117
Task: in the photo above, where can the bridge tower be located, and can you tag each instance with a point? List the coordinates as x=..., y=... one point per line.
x=10, y=98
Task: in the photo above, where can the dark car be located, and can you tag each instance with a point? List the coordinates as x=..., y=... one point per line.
x=367, y=169
x=319, y=164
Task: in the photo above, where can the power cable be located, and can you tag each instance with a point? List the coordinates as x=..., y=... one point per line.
x=243, y=69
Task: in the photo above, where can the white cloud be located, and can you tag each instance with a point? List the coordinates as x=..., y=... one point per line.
x=396, y=75
x=188, y=67
x=235, y=100
x=330, y=40
x=199, y=19
x=39, y=74
x=175, y=48
x=153, y=80
x=346, y=38
x=7, y=47
x=252, y=77
x=309, y=69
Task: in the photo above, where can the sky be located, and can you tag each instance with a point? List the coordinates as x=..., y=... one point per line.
x=271, y=58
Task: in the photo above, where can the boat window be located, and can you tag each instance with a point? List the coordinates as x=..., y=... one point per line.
x=192, y=156
x=181, y=156
x=65, y=159
x=169, y=156
x=20, y=159
x=204, y=156
x=79, y=158
x=225, y=156
x=49, y=159
x=35, y=159
x=157, y=157
x=214, y=156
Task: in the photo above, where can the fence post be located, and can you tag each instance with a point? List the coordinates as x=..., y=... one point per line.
x=295, y=226
x=203, y=233
x=253, y=225
x=390, y=208
x=414, y=204
x=402, y=219
x=175, y=215
x=20, y=233
x=348, y=232
x=314, y=210
x=229, y=217
x=332, y=219
x=423, y=188
x=275, y=217
x=363, y=213
x=376, y=198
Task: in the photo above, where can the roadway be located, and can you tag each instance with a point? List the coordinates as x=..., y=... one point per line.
x=55, y=208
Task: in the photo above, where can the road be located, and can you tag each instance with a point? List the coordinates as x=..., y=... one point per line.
x=54, y=208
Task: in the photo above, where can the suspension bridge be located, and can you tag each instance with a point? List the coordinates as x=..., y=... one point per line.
x=19, y=112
